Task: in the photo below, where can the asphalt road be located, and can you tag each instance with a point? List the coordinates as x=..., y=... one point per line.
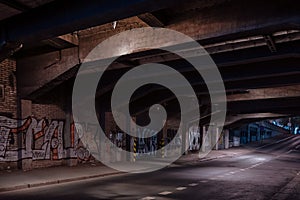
x=270, y=172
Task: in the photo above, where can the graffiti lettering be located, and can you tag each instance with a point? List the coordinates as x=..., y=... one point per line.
x=42, y=139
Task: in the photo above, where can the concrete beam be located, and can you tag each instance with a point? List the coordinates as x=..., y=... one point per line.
x=35, y=72
x=15, y=4
x=151, y=20
x=265, y=93
x=71, y=38
x=226, y=133
x=239, y=19
x=63, y=41
x=233, y=25
x=257, y=116
x=41, y=23
x=287, y=105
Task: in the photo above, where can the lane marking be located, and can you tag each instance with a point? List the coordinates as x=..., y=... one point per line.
x=193, y=184
x=203, y=181
x=148, y=198
x=165, y=193
x=181, y=188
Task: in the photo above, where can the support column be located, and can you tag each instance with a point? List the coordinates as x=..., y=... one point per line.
x=258, y=134
x=165, y=130
x=216, y=138
x=132, y=141
x=204, y=138
x=163, y=140
x=249, y=134
x=25, y=164
x=69, y=139
x=213, y=136
x=226, y=133
x=184, y=138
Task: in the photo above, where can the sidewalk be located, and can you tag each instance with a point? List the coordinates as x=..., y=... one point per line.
x=194, y=158
x=14, y=180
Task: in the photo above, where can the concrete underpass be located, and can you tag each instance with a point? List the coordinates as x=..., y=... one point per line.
x=149, y=99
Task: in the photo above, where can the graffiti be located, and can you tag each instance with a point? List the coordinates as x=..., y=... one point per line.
x=194, y=138
x=77, y=138
x=117, y=139
x=83, y=154
x=41, y=140
x=174, y=145
x=4, y=132
x=38, y=155
x=146, y=145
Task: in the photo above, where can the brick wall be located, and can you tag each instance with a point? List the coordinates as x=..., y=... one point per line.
x=8, y=100
x=49, y=111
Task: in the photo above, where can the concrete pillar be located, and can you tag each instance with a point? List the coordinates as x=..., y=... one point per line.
x=204, y=135
x=26, y=108
x=25, y=164
x=216, y=138
x=226, y=133
x=258, y=134
x=213, y=137
x=68, y=139
x=249, y=134
x=164, y=151
x=165, y=130
x=132, y=141
x=184, y=138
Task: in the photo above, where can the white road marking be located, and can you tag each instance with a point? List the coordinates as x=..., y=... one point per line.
x=181, y=188
x=203, y=181
x=193, y=184
x=148, y=198
x=165, y=193
x=257, y=164
x=242, y=170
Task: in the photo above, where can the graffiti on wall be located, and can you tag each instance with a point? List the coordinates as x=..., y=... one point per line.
x=146, y=145
x=194, y=138
x=41, y=140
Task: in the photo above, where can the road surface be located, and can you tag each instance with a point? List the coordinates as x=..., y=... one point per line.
x=269, y=172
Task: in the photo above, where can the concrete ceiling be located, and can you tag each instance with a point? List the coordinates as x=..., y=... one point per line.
x=255, y=45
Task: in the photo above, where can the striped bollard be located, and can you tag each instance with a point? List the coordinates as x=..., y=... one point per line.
x=162, y=144
x=134, y=149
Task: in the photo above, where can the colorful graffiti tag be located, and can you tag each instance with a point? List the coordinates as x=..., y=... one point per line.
x=146, y=145
x=194, y=138
x=41, y=140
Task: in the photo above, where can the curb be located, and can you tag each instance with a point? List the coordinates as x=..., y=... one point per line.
x=53, y=182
